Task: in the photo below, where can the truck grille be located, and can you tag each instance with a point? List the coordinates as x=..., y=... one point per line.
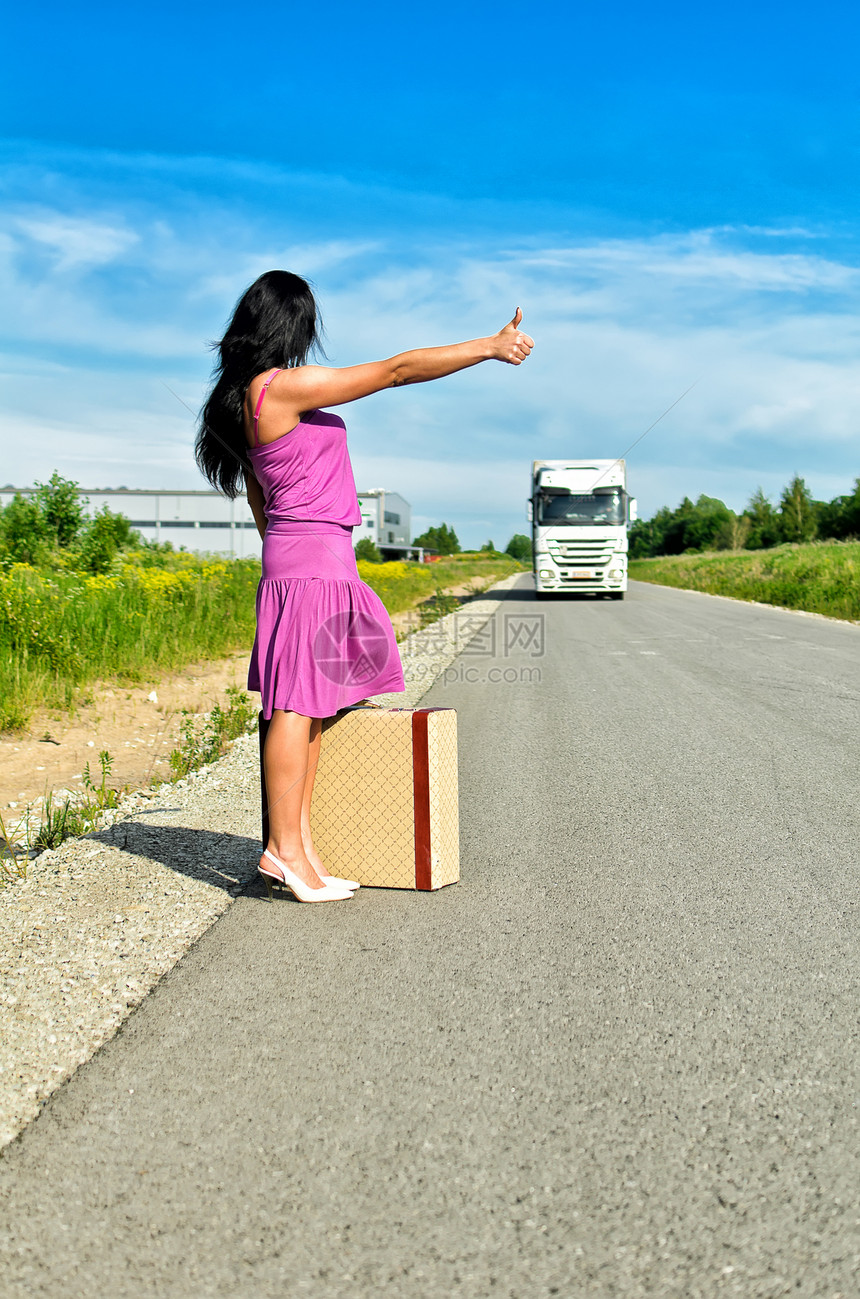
x=582, y=554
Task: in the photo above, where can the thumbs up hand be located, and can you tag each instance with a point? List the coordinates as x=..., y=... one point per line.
x=510, y=345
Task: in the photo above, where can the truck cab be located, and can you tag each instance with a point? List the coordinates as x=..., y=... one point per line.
x=580, y=512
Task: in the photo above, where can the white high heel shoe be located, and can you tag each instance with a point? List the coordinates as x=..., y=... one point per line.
x=303, y=892
x=338, y=883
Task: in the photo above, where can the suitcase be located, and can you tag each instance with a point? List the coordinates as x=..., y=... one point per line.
x=384, y=809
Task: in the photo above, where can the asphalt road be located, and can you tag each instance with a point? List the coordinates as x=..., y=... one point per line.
x=619, y=1059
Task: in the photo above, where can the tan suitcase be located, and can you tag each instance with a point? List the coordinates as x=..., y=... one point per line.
x=384, y=809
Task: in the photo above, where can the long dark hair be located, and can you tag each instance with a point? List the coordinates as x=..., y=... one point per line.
x=276, y=323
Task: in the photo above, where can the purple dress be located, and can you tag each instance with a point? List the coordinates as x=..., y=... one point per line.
x=324, y=639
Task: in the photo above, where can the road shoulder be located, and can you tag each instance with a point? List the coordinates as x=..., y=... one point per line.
x=101, y=919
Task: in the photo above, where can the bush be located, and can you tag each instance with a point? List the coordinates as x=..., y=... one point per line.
x=205, y=740
x=443, y=539
x=104, y=536
x=50, y=528
x=368, y=551
x=797, y=512
x=62, y=509
x=23, y=536
x=840, y=518
x=520, y=547
x=399, y=585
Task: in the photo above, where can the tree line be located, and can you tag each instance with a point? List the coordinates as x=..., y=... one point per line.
x=709, y=524
x=51, y=528
x=444, y=541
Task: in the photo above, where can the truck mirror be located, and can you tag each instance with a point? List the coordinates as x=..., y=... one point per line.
x=632, y=509
x=529, y=511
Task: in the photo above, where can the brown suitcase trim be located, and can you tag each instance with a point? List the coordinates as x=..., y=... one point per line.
x=421, y=799
x=421, y=796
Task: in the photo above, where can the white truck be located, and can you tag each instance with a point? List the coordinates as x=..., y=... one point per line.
x=579, y=512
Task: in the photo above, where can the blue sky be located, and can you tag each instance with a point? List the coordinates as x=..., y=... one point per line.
x=669, y=194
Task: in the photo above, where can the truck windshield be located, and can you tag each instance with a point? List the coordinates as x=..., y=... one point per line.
x=586, y=510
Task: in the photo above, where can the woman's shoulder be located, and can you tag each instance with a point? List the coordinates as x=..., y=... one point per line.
x=266, y=379
x=273, y=394
x=281, y=384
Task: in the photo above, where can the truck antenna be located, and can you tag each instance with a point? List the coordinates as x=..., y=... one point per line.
x=647, y=431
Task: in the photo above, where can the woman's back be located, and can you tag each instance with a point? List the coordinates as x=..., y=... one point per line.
x=304, y=473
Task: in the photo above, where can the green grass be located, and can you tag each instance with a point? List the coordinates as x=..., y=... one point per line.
x=61, y=631
x=56, y=821
x=204, y=740
x=13, y=856
x=819, y=577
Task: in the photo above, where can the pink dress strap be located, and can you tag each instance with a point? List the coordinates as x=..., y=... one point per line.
x=263, y=391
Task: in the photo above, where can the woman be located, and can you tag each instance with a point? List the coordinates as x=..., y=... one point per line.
x=324, y=639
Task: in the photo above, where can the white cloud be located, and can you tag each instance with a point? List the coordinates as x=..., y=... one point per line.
x=77, y=243
x=130, y=291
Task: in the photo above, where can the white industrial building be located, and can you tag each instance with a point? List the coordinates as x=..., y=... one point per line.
x=386, y=519
x=208, y=522
x=199, y=521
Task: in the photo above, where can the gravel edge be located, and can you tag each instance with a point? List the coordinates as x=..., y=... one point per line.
x=101, y=919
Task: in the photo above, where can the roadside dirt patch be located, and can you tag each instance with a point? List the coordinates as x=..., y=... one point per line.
x=138, y=732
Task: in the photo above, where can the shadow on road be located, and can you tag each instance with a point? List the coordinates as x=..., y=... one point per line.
x=528, y=593
x=578, y=597
x=512, y=593
x=229, y=861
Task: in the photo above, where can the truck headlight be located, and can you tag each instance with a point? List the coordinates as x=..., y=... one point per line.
x=546, y=572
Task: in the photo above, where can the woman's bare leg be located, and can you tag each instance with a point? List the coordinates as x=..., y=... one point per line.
x=313, y=759
x=287, y=762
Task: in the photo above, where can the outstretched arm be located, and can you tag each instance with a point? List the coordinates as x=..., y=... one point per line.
x=309, y=387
